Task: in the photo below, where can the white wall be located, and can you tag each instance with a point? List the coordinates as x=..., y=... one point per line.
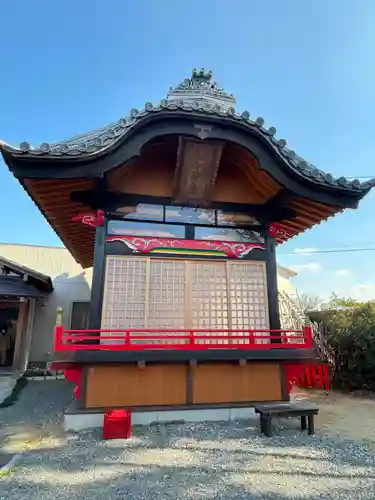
x=284, y=284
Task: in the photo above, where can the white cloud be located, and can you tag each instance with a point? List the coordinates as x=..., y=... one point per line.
x=304, y=251
x=344, y=273
x=363, y=291
x=310, y=267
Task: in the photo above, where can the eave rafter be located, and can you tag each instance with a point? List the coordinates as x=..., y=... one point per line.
x=53, y=199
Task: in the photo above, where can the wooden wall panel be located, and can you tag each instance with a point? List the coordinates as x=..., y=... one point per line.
x=226, y=382
x=166, y=384
x=232, y=186
x=129, y=385
x=153, y=179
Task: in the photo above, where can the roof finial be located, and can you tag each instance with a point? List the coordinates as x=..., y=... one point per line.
x=202, y=90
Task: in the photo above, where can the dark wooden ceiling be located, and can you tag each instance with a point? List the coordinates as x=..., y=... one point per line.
x=53, y=197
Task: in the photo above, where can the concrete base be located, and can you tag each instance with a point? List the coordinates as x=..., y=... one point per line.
x=82, y=421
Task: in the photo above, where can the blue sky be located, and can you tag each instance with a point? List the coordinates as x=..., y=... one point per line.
x=307, y=67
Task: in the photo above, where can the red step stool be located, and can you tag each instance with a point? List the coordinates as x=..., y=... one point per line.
x=117, y=424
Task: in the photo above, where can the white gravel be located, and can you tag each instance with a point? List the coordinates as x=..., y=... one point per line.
x=40, y=402
x=228, y=460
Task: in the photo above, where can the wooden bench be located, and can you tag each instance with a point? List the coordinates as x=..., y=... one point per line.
x=303, y=409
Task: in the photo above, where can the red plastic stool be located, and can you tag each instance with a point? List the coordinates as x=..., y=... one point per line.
x=117, y=424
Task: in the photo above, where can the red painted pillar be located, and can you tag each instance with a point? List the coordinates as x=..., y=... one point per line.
x=59, y=333
x=308, y=336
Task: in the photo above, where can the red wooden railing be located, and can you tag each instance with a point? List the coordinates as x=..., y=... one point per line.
x=194, y=339
x=308, y=375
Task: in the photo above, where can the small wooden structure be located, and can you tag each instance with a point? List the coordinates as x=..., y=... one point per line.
x=179, y=207
x=20, y=289
x=304, y=410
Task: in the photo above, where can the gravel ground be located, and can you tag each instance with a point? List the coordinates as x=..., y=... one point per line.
x=36, y=417
x=343, y=415
x=228, y=460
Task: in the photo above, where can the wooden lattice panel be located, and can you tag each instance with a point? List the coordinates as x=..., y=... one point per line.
x=248, y=296
x=167, y=294
x=208, y=296
x=124, y=302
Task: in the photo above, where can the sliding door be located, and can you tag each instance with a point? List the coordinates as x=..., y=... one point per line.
x=193, y=294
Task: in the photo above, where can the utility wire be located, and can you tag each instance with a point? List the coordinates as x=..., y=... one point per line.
x=333, y=250
x=359, y=176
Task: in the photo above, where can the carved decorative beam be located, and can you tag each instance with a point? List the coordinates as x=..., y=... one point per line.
x=147, y=245
x=279, y=232
x=92, y=219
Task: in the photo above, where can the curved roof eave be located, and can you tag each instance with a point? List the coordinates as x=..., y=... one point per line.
x=286, y=272
x=97, y=143
x=42, y=280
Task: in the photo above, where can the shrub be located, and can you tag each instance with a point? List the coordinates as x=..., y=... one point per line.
x=350, y=338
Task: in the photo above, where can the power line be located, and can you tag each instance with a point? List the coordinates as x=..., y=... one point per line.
x=333, y=250
x=359, y=176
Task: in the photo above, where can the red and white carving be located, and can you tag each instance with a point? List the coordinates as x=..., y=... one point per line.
x=92, y=219
x=146, y=245
x=279, y=232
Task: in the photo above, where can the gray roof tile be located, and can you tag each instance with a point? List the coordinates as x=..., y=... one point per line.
x=198, y=95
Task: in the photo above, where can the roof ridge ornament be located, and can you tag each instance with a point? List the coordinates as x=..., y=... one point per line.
x=201, y=89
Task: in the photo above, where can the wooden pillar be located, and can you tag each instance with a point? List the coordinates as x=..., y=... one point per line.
x=26, y=346
x=98, y=276
x=272, y=290
x=20, y=334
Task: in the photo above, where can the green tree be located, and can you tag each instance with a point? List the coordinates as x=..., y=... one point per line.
x=350, y=335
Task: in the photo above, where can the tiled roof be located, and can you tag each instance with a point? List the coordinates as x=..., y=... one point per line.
x=14, y=286
x=198, y=96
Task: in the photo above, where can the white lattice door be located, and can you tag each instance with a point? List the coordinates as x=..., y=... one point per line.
x=125, y=294
x=177, y=294
x=247, y=285
x=208, y=296
x=167, y=294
